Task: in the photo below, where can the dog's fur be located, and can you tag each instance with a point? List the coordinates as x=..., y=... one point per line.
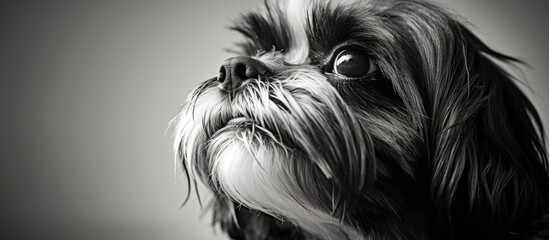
x=439, y=143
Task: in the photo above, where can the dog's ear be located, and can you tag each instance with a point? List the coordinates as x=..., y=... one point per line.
x=241, y=223
x=487, y=161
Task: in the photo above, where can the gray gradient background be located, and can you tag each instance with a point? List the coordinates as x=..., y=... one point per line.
x=88, y=89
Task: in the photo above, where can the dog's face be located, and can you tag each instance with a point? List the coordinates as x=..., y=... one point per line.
x=363, y=119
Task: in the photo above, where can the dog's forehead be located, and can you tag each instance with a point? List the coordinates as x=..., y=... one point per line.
x=297, y=11
x=299, y=28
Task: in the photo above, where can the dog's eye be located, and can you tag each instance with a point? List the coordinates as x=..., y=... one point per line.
x=353, y=64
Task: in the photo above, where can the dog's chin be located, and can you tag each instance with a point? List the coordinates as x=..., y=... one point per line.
x=252, y=167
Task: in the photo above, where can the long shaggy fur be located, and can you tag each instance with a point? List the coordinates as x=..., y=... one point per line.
x=439, y=144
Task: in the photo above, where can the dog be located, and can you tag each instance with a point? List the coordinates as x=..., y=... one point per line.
x=365, y=119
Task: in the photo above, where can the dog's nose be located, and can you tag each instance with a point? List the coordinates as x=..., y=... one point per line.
x=235, y=72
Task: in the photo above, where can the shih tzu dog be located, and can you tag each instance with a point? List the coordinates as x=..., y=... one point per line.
x=365, y=119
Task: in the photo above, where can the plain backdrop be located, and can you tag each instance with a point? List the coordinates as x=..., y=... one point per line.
x=88, y=88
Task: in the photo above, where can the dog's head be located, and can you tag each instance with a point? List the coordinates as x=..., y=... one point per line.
x=364, y=119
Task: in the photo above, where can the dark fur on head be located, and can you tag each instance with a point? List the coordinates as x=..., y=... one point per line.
x=440, y=143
